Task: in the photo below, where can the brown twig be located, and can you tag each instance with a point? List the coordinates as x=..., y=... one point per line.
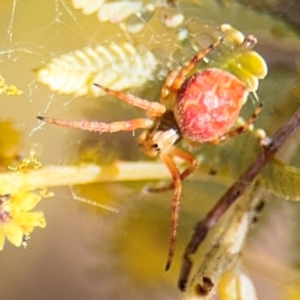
x=233, y=193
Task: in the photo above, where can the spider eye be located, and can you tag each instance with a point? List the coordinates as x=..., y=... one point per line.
x=155, y=147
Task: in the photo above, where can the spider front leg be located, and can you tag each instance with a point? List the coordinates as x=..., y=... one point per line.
x=184, y=71
x=185, y=156
x=153, y=109
x=130, y=125
x=166, y=89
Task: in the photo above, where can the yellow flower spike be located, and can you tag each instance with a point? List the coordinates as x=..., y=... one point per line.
x=253, y=63
x=234, y=285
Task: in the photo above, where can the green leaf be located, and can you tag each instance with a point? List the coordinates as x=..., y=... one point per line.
x=282, y=180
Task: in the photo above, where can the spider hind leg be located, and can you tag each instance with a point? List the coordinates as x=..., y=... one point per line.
x=167, y=159
x=185, y=156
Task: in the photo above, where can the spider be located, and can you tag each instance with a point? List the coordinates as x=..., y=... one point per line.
x=201, y=108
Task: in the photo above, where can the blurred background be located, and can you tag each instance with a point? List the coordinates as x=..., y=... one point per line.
x=87, y=252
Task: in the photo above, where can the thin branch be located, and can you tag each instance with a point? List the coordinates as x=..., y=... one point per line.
x=233, y=193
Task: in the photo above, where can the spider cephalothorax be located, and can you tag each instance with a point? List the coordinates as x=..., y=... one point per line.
x=163, y=135
x=206, y=106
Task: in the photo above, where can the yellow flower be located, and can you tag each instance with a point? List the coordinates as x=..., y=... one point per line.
x=9, y=90
x=17, y=220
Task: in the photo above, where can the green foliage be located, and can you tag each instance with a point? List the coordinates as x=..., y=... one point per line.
x=282, y=180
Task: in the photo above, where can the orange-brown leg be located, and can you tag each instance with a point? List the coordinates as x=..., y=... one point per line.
x=181, y=77
x=167, y=159
x=130, y=125
x=153, y=109
x=239, y=129
x=166, y=91
x=190, y=159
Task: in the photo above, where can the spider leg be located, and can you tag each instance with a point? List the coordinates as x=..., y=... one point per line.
x=184, y=71
x=167, y=159
x=166, y=91
x=240, y=129
x=130, y=125
x=191, y=160
x=153, y=109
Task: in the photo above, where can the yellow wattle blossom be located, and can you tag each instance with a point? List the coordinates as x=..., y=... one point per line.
x=9, y=90
x=17, y=220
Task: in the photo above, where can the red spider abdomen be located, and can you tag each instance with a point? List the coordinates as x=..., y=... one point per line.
x=208, y=104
